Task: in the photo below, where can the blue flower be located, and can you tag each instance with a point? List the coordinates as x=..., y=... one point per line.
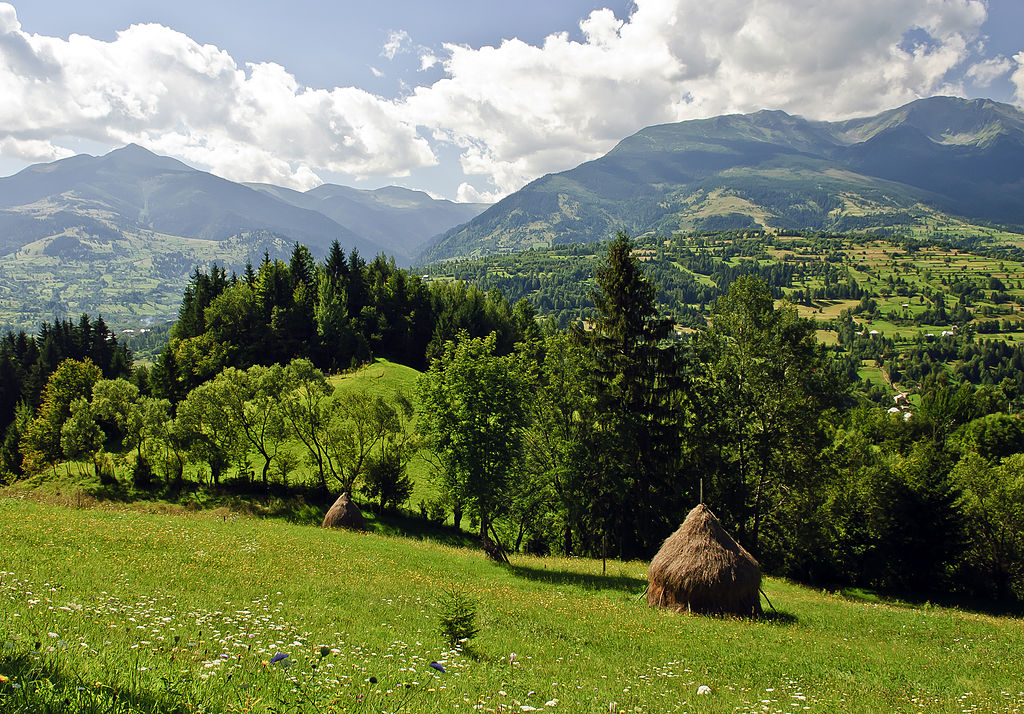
x=437, y=666
x=278, y=657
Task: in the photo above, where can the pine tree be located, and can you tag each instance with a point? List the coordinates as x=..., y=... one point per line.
x=635, y=447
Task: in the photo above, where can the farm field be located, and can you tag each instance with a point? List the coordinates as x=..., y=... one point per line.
x=122, y=610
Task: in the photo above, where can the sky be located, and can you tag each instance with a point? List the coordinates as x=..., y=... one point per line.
x=465, y=99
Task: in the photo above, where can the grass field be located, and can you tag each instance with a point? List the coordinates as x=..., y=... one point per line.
x=390, y=379
x=121, y=610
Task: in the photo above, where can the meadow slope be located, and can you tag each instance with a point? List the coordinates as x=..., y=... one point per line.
x=107, y=609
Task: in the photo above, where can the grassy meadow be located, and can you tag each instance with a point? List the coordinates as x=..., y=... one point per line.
x=120, y=609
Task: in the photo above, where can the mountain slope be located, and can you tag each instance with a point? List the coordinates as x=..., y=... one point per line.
x=133, y=189
x=769, y=169
x=119, y=234
x=400, y=219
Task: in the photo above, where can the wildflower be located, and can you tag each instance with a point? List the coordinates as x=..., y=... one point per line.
x=3, y=679
x=438, y=667
x=512, y=658
x=277, y=658
x=703, y=689
x=551, y=703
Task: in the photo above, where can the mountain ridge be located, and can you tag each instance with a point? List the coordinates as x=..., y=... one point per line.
x=119, y=234
x=132, y=189
x=905, y=166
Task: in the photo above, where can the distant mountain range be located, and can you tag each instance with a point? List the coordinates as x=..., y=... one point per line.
x=132, y=190
x=119, y=234
x=931, y=161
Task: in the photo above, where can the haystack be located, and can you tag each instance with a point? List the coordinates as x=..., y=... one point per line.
x=700, y=568
x=344, y=514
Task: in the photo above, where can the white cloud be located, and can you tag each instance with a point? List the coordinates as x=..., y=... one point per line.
x=1018, y=77
x=32, y=149
x=428, y=60
x=518, y=110
x=469, y=194
x=159, y=88
x=514, y=111
x=987, y=71
x=398, y=41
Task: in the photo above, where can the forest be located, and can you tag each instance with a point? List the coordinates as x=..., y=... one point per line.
x=589, y=438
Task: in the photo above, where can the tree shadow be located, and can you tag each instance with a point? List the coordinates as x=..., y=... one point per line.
x=915, y=601
x=586, y=581
x=778, y=617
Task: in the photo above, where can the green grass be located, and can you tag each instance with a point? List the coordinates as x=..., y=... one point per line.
x=388, y=379
x=115, y=610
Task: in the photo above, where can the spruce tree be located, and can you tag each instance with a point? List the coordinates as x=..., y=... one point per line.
x=635, y=487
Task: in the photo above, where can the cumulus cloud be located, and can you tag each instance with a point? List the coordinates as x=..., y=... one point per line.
x=514, y=111
x=32, y=149
x=518, y=110
x=1018, y=77
x=159, y=88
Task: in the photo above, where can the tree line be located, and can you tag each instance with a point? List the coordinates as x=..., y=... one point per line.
x=575, y=441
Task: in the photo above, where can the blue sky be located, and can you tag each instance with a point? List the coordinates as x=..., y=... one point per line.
x=466, y=99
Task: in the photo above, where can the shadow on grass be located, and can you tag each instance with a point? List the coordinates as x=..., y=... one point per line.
x=44, y=685
x=778, y=617
x=626, y=584
x=996, y=608
x=299, y=504
x=399, y=523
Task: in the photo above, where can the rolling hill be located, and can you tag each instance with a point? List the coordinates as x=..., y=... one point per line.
x=915, y=165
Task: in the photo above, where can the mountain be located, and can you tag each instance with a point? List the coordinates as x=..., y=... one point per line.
x=119, y=234
x=132, y=189
x=928, y=161
x=400, y=219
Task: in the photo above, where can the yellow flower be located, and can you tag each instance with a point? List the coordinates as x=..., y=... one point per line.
x=3, y=679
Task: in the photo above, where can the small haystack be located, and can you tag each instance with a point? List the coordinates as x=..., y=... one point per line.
x=344, y=514
x=700, y=568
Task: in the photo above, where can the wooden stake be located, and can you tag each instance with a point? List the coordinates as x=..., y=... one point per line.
x=604, y=553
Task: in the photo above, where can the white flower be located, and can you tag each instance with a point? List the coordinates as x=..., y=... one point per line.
x=703, y=689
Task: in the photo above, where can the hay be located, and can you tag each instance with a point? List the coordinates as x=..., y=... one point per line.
x=344, y=514
x=700, y=568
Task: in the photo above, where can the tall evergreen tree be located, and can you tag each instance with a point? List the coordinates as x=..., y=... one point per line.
x=636, y=491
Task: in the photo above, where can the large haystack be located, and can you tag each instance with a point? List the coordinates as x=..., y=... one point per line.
x=344, y=514
x=700, y=568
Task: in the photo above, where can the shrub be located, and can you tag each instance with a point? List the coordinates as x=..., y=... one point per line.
x=458, y=616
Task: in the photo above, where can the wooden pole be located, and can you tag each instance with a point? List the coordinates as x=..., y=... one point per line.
x=604, y=553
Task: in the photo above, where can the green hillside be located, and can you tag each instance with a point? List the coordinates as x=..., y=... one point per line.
x=931, y=161
x=97, y=625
